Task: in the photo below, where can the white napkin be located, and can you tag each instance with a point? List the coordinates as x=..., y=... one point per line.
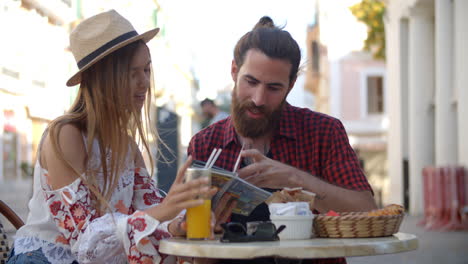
x=290, y=208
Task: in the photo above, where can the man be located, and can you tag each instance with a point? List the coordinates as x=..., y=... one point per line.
x=211, y=111
x=283, y=146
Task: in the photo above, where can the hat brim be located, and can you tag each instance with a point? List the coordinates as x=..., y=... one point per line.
x=147, y=36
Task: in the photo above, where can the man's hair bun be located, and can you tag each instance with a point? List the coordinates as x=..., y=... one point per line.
x=266, y=22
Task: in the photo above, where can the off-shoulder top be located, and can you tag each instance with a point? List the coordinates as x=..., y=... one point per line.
x=65, y=225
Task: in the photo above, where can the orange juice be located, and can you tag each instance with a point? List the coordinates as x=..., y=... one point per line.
x=198, y=221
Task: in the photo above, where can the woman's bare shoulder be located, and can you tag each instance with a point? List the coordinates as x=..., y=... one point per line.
x=70, y=152
x=70, y=139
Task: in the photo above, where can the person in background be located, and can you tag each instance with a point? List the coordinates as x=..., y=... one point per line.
x=281, y=145
x=212, y=112
x=94, y=201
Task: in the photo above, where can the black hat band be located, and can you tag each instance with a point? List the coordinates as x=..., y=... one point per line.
x=83, y=62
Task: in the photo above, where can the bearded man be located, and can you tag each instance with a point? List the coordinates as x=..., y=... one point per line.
x=281, y=145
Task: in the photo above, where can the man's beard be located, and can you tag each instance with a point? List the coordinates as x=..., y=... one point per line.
x=254, y=127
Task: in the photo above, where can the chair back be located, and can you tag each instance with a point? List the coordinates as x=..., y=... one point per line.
x=9, y=214
x=16, y=221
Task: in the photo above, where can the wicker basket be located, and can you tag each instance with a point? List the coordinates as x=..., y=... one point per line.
x=356, y=225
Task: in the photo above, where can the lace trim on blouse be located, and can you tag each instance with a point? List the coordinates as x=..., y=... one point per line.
x=126, y=234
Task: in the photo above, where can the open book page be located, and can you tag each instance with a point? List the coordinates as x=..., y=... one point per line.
x=248, y=196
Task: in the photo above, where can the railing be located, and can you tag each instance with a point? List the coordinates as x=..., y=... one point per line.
x=445, y=198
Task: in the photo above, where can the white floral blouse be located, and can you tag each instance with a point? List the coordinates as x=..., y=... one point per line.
x=64, y=224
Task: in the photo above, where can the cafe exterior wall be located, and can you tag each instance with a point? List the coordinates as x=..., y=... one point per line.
x=427, y=62
x=350, y=85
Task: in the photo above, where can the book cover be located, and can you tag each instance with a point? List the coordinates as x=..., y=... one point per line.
x=248, y=196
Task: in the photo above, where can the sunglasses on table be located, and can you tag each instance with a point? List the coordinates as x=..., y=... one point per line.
x=236, y=232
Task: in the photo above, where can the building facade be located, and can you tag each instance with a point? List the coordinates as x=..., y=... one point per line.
x=350, y=84
x=427, y=69
x=33, y=73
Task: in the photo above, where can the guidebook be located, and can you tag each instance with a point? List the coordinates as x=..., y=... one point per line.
x=248, y=195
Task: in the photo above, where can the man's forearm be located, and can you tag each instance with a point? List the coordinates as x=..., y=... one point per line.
x=331, y=197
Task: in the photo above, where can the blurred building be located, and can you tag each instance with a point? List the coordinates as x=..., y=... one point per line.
x=427, y=63
x=34, y=65
x=349, y=84
x=32, y=75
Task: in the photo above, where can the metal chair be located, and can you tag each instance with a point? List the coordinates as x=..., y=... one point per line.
x=16, y=221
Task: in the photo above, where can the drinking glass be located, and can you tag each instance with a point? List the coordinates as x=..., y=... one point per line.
x=198, y=218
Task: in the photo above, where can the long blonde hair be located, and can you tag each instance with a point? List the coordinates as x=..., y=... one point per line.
x=104, y=111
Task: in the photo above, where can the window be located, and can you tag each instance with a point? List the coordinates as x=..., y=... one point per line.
x=375, y=95
x=315, y=57
x=9, y=146
x=373, y=92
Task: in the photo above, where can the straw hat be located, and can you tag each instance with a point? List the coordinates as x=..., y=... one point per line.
x=100, y=35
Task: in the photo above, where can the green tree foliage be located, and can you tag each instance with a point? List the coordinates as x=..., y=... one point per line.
x=371, y=13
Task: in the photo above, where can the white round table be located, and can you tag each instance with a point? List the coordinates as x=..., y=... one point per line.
x=299, y=249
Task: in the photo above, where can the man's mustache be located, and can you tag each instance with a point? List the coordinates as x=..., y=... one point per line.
x=252, y=106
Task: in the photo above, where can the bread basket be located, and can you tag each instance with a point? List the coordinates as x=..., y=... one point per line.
x=356, y=224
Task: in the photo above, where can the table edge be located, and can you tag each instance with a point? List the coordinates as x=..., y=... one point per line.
x=342, y=247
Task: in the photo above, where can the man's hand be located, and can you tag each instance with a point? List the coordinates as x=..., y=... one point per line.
x=178, y=227
x=223, y=211
x=268, y=173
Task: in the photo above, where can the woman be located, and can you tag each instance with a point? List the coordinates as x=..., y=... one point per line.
x=94, y=201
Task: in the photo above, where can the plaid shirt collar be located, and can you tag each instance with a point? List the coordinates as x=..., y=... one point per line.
x=287, y=127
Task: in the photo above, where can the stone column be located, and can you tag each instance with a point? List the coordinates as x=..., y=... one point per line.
x=445, y=114
x=421, y=92
x=396, y=42
x=461, y=76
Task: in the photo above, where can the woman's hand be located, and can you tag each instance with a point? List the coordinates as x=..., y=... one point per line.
x=181, y=196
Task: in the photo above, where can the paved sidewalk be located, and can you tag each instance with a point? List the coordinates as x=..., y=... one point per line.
x=449, y=247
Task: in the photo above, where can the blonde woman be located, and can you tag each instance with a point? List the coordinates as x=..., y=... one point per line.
x=93, y=200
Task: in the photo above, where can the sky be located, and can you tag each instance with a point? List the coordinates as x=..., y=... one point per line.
x=207, y=30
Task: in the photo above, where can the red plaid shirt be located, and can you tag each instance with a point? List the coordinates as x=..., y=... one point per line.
x=310, y=141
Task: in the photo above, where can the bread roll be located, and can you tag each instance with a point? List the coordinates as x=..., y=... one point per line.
x=391, y=209
x=292, y=195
